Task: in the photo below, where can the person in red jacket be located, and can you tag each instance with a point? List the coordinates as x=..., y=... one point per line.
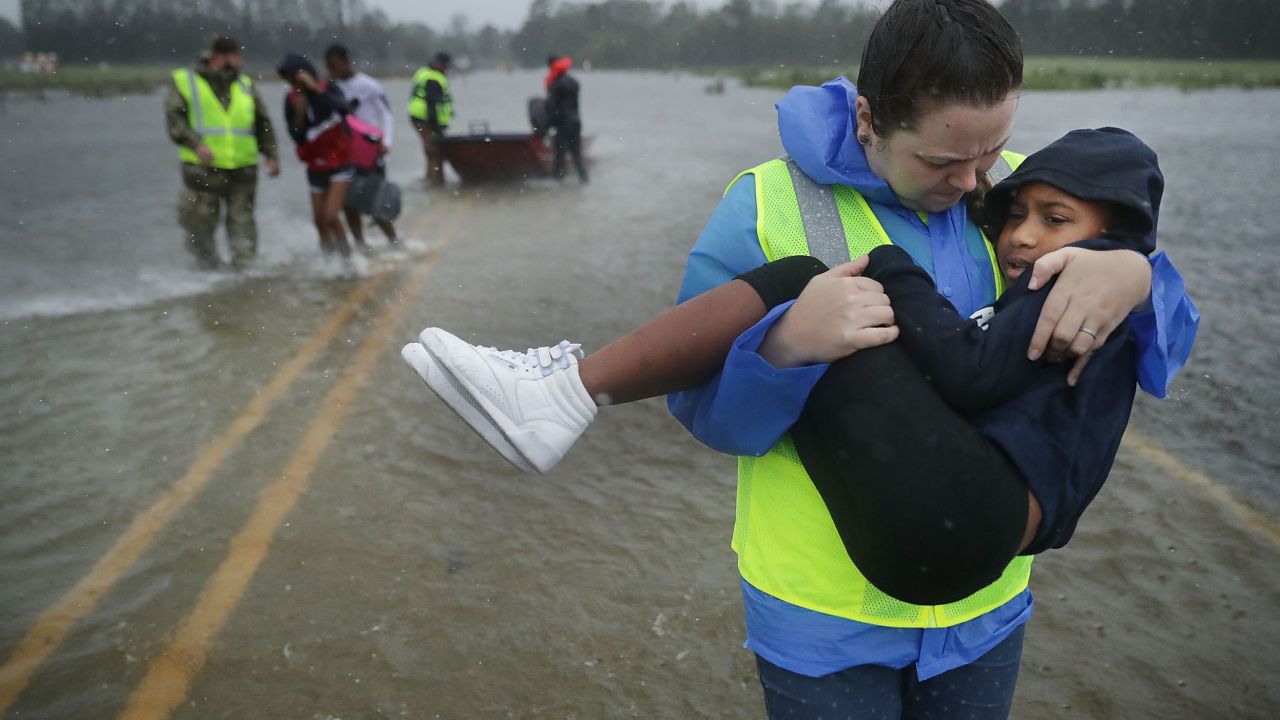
x=562, y=114
x=315, y=113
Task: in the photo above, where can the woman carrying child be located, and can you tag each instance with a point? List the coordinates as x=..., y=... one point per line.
x=888, y=161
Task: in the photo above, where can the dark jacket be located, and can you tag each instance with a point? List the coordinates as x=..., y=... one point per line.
x=321, y=133
x=562, y=103
x=1063, y=440
x=435, y=96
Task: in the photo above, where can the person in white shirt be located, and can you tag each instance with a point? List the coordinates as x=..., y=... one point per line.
x=369, y=103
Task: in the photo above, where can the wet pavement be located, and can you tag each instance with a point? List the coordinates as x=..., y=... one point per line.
x=228, y=498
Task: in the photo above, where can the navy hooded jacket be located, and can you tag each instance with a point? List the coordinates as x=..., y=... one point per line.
x=1062, y=439
x=324, y=108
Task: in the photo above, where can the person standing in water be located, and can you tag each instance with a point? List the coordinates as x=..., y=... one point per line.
x=214, y=114
x=891, y=160
x=896, y=157
x=315, y=113
x=431, y=111
x=562, y=114
x=369, y=103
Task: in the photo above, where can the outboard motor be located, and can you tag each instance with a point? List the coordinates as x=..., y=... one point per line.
x=538, y=115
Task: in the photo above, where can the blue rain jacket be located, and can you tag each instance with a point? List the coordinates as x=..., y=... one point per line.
x=750, y=404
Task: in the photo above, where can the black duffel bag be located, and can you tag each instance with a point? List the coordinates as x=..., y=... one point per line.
x=374, y=196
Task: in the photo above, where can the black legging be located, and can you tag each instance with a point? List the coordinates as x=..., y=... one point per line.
x=568, y=139
x=929, y=510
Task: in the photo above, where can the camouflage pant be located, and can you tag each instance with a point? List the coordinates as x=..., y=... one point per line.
x=205, y=191
x=435, y=156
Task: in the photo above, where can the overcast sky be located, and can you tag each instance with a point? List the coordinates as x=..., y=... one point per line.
x=507, y=14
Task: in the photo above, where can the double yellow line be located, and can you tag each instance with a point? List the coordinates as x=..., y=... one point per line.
x=169, y=675
x=1151, y=451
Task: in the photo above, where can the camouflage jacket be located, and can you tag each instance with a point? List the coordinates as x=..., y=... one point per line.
x=179, y=126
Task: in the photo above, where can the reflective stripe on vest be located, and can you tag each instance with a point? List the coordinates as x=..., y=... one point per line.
x=820, y=216
x=418, y=102
x=786, y=542
x=227, y=131
x=1003, y=168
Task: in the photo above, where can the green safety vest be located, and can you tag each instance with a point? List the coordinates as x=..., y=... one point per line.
x=227, y=131
x=418, y=102
x=786, y=541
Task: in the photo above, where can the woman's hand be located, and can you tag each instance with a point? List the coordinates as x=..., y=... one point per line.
x=1096, y=291
x=838, y=314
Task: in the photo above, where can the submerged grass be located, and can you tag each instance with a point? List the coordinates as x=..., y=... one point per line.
x=1076, y=73
x=90, y=81
x=1040, y=73
x=108, y=81
x=1084, y=73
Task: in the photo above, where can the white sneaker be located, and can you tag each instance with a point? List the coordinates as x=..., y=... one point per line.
x=531, y=407
x=423, y=364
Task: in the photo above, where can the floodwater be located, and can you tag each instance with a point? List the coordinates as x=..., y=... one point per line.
x=224, y=497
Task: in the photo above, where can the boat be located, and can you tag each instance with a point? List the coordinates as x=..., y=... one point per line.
x=485, y=156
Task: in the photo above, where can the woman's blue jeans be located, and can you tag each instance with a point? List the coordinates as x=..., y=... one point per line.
x=981, y=690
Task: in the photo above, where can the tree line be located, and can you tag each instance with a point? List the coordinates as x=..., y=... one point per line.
x=619, y=33
x=637, y=33
x=1214, y=29
x=164, y=31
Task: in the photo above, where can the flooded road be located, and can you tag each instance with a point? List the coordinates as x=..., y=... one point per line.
x=227, y=498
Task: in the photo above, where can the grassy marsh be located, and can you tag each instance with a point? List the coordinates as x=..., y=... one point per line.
x=1077, y=73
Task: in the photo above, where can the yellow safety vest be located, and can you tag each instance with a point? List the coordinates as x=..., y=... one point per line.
x=228, y=131
x=786, y=541
x=418, y=102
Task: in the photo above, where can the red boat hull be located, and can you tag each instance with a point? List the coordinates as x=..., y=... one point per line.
x=489, y=157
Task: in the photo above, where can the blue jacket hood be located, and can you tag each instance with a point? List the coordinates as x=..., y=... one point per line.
x=818, y=132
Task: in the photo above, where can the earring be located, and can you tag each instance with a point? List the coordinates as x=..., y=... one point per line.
x=864, y=138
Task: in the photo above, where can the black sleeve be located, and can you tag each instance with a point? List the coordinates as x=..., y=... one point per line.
x=783, y=279
x=434, y=96
x=553, y=106
x=330, y=101
x=971, y=368
x=296, y=131
x=319, y=107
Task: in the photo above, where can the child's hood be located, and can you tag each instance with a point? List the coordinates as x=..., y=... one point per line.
x=1107, y=165
x=292, y=63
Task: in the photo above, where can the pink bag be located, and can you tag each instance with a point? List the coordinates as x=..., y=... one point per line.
x=365, y=142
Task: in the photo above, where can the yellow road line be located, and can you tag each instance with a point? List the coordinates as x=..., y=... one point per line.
x=51, y=628
x=1161, y=458
x=169, y=675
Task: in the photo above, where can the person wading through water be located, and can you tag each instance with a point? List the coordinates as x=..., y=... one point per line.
x=214, y=114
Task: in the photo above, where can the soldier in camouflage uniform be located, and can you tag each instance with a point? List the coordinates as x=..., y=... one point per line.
x=217, y=119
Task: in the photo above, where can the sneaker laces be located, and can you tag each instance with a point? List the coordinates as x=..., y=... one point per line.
x=542, y=360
